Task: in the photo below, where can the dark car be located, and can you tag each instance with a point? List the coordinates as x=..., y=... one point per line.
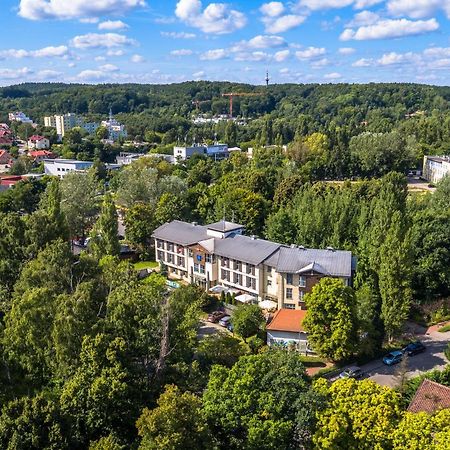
x=224, y=321
x=393, y=358
x=215, y=316
x=352, y=372
x=414, y=348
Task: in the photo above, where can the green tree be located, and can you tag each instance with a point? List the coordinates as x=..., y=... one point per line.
x=105, y=235
x=139, y=226
x=102, y=133
x=79, y=201
x=33, y=423
x=170, y=207
x=177, y=423
x=358, y=415
x=248, y=320
x=395, y=277
x=331, y=321
x=264, y=401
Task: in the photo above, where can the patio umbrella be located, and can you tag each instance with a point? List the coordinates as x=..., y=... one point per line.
x=268, y=304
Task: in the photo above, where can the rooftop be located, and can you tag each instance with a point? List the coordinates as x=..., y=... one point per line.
x=287, y=320
x=439, y=159
x=224, y=226
x=182, y=233
x=430, y=397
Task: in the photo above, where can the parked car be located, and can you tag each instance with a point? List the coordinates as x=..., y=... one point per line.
x=414, y=348
x=224, y=321
x=230, y=327
x=215, y=316
x=393, y=358
x=352, y=372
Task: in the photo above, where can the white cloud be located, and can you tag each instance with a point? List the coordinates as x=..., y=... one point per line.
x=252, y=56
x=109, y=68
x=181, y=52
x=363, y=18
x=89, y=20
x=178, y=35
x=317, y=64
x=325, y=4
x=46, y=52
x=216, y=18
x=272, y=9
x=332, y=76
x=263, y=41
x=199, y=75
x=137, y=59
x=392, y=58
x=115, y=52
x=14, y=73
x=74, y=9
x=95, y=40
x=281, y=56
x=418, y=8
x=346, y=51
x=361, y=4
x=112, y=25
x=310, y=52
x=386, y=29
x=363, y=62
x=91, y=75
x=49, y=74
x=99, y=58
x=214, y=55
x=283, y=23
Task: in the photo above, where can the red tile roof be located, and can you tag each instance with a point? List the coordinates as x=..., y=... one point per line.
x=430, y=397
x=37, y=153
x=287, y=320
x=36, y=138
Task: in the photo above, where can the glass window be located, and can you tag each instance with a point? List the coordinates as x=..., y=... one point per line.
x=288, y=292
x=289, y=278
x=180, y=261
x=302, y=282
x=208, y=258
x=288, y=306
x=301, y=295
x=269, y=283
x=160, y=255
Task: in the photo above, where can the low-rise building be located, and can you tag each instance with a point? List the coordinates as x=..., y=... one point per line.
x=430, y=398
x=126, y=158
x=116, y=130
x=435, y=168
x=6, y=161
x=65, y=122
x=38, y=142
x=216, y=151
x=61, y=167
x=19, y=116
x=39, y=155
x=286, y=330
x=220, y=254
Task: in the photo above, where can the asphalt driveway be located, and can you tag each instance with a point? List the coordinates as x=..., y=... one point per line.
x=432, y=358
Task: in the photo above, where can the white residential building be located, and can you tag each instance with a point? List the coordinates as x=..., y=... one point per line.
x=217, y=151
x=19, y=116
x=38, y=142
x=65, y=122
x=61, y=167
x=435, y=168
x=116, y=129
x=220, y=254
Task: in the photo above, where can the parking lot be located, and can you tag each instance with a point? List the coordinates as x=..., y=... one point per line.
x=432, y=358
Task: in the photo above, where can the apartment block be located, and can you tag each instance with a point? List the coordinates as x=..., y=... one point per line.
x=220, y=254
x=435, y=168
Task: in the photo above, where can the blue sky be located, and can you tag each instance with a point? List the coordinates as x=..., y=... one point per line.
x=151, y=41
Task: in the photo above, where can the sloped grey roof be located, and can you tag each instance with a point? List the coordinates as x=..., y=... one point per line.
x=181, y=233
x=224, y=226
x=244, y=248
x=208, y=244
x=336, y=263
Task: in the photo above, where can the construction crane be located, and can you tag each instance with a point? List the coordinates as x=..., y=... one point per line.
x=231, y=95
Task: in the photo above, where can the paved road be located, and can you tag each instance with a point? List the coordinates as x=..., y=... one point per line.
x=432, y=358
x=208, y=328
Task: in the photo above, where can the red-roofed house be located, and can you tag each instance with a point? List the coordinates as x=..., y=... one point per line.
x=430, y=398
x=6, y=141
x=39, y=155
x=6, y=160
x=38, y=142
x=286, y=329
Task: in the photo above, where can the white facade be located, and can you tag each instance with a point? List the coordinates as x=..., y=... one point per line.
x=19, y=116
x=61, y=167
x=40, y=143
x=116, y=129
x=435, y=168
x=65, y=122
x=217, y=151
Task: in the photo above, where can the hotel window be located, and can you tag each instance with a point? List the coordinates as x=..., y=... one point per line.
x=199, y=268
x=289, y=278
x=237, y=265
x=160, y=244
x=225, y=262
x=170, y=247
x=190, y=253
x=300, y=296
x=251, y=269
x=251, y=283
x=180, y=261
x=225, y=275
x=208, y=258
x=237, y=279
x=269, y=283
x=170, y=258
x=302, y=282
x=160, y=256
x=289, y=293
x=288, y=306
x=269, y=270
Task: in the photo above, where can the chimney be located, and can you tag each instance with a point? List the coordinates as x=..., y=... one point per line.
x=331, y=249
x=194, y=224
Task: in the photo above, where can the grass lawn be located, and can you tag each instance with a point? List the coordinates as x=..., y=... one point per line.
x=145, y=265
x=445, y=328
